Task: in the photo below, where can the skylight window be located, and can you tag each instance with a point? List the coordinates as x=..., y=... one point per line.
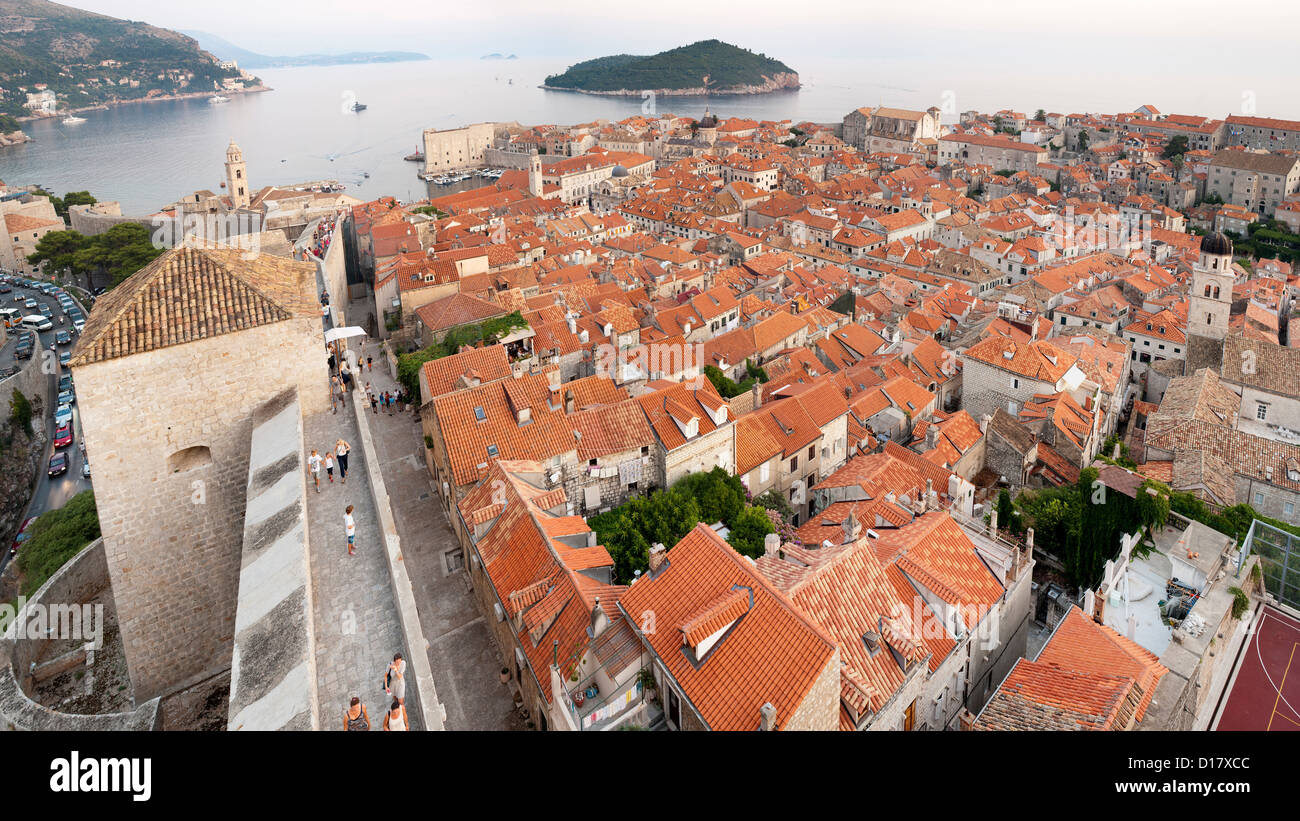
x=479, y=415
x=492, y=451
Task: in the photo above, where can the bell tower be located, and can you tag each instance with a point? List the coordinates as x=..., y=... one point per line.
x=535, y=175
x=236, y=176
x=1210, y=296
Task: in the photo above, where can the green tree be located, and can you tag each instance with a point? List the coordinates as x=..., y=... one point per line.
x=1006, y=512
x=774, y=500
x=720, y=496
x=1176, y=147
x=56, y=536
x=748, y=531
x=1040, y=115
x=20, y=411
x=1083, y=140
x=118, y=252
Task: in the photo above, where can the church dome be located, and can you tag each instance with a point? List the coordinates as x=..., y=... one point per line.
x=1216, y=244
x=619, y=171
x=708, y=120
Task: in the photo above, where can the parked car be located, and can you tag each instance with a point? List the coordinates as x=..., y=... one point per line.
x=63, y=415
x=62, y=338
x=98, y=291
x=65, y=382
x=30, y=304
x=45, y=310
x=67, y=397
x=58, y=464
x=79, y=324
x=85, y=468
x=65, y=357
x=23, y=351
x=63, y=436
x=4, y=289
x=21, y=536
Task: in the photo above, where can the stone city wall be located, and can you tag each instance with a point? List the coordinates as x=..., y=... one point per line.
x=273, y=670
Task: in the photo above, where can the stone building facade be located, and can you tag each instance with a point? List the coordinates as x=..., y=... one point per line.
x=170, y=369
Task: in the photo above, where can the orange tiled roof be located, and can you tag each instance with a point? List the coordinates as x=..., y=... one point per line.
x=188, y=294
x=773, y=653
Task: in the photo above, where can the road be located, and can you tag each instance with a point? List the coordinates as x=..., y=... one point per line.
x=51, y=492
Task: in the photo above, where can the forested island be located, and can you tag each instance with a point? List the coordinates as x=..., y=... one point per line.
x=706, y=67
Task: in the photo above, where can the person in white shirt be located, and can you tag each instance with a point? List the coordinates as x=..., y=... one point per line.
x=313, y=466
x=350, y=525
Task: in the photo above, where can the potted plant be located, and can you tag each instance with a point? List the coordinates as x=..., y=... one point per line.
x=578, y=698
x=505, y=674
x=646, y=679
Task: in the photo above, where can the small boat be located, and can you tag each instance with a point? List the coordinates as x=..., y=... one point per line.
x=73, y=119
x=365, y=174
x=218, y=99
x=358, y=106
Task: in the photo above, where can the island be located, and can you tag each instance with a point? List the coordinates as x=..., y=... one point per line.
x=55, y=60
x=706, y=67
x=496, y=56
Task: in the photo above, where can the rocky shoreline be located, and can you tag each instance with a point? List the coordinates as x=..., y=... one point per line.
x=786, y=81
x=193, y=95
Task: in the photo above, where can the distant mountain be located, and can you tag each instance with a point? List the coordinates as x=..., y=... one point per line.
x=706, y=67
x=251, y=59
x=495, y=56
x=89, y=59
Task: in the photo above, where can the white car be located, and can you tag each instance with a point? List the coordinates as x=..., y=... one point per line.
x=62, y=415
x=85, y=469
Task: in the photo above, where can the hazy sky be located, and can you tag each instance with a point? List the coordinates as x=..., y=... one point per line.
x=1018, y=34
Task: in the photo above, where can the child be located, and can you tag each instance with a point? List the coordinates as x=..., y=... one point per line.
x=313, y=465
x=350, y=525
x=329, y=464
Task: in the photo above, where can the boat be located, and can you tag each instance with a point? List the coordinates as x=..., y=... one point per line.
x=218, y=99
x=358, y=106
x=73, y=119
x=365, y=174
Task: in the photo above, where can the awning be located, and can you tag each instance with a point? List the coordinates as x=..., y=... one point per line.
x=343, y=333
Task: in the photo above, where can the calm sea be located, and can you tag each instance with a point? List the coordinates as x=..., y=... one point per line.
x=148, y=155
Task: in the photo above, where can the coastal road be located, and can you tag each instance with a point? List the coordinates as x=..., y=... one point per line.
x=51, y=492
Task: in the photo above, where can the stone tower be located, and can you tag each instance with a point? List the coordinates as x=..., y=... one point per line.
x=535, y=175
x=236, y=176
x=1210, y=303
x=170, y=368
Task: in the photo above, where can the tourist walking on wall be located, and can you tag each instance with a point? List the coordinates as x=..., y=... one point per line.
x=313, y=465
x=356, y=719
x=335, y=393
x=395, y=679
x=350, y=526
x=395, y=720
x=329, y=465
x=341, y=450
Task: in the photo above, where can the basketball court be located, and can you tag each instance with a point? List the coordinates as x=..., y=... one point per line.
x=1265, y=691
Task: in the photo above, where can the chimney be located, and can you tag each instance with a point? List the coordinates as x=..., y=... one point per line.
x=569, y=403
x=993, y=521
x=767, y=717
x=931, y=441
x=984, y=423
x=1115, y=453
x=758, y=395
x=657, y=555
x=1029, y=544
x=772, y=545
x=852, y=529
x=965, y=720
x=572, y=323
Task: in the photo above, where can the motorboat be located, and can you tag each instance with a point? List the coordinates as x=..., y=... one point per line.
x=358, y=106
x=217, y=100
x=73, y=119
